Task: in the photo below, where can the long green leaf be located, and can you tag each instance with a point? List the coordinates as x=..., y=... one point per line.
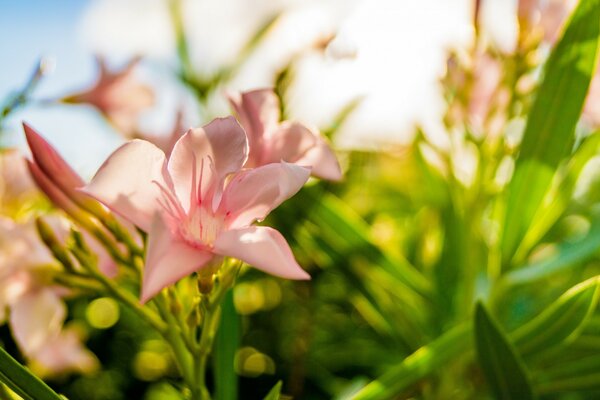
x=558, y=197
x=275, y=392
x=551, y=123
x=568, y=255
x=351, y=232
x=418, y=365
x=227, y=342
x=504, y=370
x=561, y=322
x=22, y=381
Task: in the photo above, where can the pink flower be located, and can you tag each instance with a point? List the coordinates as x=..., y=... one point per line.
x=118, y=96
x=271, y=141
x=198, y=205
x=37, y=312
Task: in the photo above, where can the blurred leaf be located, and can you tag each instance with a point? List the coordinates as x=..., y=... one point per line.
x=504, y=370
x=341, y=117
x=551, y=123
x=227, y=342
x=557, y=199
x=275, y=393
x=561, y=322
x=228, y=72
x=568, y=254
x=451, y=272
x=351, y=231
x=576, y=368
x=22, y=381
x=418, y=365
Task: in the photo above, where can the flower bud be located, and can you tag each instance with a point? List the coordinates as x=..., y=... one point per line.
x=50, y=240
x=59, y=173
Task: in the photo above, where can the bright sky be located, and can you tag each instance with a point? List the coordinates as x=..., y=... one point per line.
x=400, y=53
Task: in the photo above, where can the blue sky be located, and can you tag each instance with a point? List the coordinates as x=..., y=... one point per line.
x=33, y=28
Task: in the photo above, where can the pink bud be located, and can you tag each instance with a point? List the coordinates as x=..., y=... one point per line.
x=59, y=174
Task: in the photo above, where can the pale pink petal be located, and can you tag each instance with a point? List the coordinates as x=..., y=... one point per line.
x=263, y=248
x=65, y=353
x=323, y=161
x=35, y=318
x=253, y=193
x=258, y=112
x=207, y=155
x=289, y=142
x=293, y=142
x=130, y=180
x=168, y=259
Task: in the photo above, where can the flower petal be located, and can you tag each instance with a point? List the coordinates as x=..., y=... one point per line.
x=263, y=248
x=294, y=142
x=128, y=182
x=64, y=353
x=253, y=193
x=35, y=318
x=169, y=259
x=258, y=112
x=207, y=155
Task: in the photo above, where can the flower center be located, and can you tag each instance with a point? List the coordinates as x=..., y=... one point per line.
x=201, y=227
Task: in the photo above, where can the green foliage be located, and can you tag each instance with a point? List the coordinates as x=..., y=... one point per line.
x=504, y=370
x=551, y=121
x=22, y=381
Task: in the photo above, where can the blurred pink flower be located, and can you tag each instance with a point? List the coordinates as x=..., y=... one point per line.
x=271, y=141
x=15, y=183
x=487, y=77
x=119, y=96
x=198, y=205
x=37, y=312
x=549, y=15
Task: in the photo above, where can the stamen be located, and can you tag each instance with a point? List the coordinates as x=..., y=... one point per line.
x=171, y=201
x=193, y=196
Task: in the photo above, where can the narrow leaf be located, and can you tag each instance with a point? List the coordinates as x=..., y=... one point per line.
x=227, y=342
x=22, y=381
x=561, y=321
x=558, y=197
x=275, y=393
x=567, y=256
x=551, y=123
x=418, y=365
x=504, y=370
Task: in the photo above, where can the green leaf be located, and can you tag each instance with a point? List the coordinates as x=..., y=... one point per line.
x=567, y=256
x=504, y=370
x=227, y=342
x=551, y=123
x=561, y=322
x=558, y=197
x=351, y=232
x=421, y=363
x=22, y=381
x=275, y=393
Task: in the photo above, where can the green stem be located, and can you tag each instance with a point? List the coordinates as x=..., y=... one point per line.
x=211, y=307
x=123, y=296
